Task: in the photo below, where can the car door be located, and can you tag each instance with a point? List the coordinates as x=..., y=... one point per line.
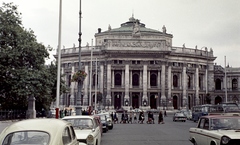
x=97, y=131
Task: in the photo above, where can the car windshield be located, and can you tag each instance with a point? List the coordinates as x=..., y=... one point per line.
x=103, y=117
x=27, y=138
x=225, y=123
x=81, y=123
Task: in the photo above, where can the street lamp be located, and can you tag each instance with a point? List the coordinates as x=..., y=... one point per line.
x=78, y=102
x=145, y=103
x=126, y=102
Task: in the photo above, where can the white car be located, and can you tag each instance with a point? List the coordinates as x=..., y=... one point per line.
x=39, y=132
x=216, y=130
x=86, y=128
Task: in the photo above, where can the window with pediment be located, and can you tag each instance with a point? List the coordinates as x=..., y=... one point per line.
x=135, y=79
x=234, y=84
x=175, y=81
x=118, y=79
x=153, y=79
x=218, y=84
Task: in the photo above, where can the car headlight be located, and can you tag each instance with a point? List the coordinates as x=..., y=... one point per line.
x=225, y=140
x=90, y=139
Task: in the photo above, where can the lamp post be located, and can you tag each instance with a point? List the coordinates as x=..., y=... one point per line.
x=59, y=59
x=78, y=102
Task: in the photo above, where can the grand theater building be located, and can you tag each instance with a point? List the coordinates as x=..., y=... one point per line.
x=137, y=67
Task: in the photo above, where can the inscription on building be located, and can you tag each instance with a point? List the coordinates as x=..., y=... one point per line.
x=139, y=44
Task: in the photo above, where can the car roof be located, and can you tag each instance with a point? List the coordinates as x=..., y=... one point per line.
x=219, y=116
x=78, y=117
x=47, y=125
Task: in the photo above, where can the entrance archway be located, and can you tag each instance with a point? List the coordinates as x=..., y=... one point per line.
x=218, y=100
x=135, y=101
x=175, y=102
x=153, y=102
x=117, y=101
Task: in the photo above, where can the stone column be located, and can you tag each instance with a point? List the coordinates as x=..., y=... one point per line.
x=122, y=84
x=145, y=84
x=184, y=84
x=163, y=82
x=141, y=79
x=108, y=97
x=86, y=87
x=170, y=85
x=197, y=85
x=158, y=80
x=31, y=112
x=126, y=97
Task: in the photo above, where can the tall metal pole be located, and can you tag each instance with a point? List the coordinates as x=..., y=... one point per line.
x=90, y=84
x=78, y=103
x=96, y=86
x=59, y=58
x=225, y=79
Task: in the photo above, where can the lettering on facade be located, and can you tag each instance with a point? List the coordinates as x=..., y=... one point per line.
x=159, y=44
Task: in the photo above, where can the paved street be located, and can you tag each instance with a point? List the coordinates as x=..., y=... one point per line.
x=173, y=133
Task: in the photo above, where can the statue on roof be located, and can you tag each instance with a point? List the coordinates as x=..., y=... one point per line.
x=164, y=30
x=109, y=28
x=136, y=28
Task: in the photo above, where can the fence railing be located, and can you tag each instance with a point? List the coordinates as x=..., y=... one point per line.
x=12, y=114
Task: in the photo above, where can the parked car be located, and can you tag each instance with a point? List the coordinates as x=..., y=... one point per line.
x=39, y=132
x=104, y=122
x=86, y=128
x=179, y=116
x=216, y=130
x=109, y=120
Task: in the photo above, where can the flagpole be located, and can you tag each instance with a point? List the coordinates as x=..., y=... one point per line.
x=59, y=58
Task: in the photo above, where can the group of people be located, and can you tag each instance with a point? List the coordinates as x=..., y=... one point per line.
x=132, y=117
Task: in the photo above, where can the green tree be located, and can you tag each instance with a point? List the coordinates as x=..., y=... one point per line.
x=22, y=64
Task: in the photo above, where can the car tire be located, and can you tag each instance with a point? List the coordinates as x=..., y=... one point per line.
x=110, y=127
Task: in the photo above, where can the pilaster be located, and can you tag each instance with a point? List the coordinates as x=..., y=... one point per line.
x=126, y=81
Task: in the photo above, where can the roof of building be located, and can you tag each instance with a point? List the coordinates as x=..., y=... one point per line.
x=129, y=26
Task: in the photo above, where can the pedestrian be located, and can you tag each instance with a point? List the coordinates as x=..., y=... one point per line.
x=122, y=118
x=115, y=117
x=130, y=117
x=65, y=112
x=140, y=117
x=135, y=117
x=165, y=113
x=160, y=118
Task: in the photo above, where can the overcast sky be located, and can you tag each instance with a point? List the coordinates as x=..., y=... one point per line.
x=206, y=23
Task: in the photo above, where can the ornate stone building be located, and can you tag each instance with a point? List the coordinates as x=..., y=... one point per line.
x=138, y=67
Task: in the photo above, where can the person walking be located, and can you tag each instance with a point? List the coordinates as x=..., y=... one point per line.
x=160, y=118
x=135, y=117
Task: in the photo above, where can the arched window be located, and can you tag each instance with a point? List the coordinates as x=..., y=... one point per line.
x=135, y=79
x=218, y=84
x=118, y=79
x=153, y=80
x=234, y=84
x=175, y=81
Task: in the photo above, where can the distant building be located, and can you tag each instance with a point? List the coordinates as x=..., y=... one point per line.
x=137, y=67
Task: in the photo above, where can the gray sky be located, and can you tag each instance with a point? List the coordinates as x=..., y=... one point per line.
x=206, y=23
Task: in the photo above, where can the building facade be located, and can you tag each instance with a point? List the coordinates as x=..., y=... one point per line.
x=137, y=67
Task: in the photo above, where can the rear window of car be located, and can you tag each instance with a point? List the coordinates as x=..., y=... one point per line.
x=27, y=137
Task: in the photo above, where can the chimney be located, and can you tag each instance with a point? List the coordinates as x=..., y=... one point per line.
x=99, y=30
